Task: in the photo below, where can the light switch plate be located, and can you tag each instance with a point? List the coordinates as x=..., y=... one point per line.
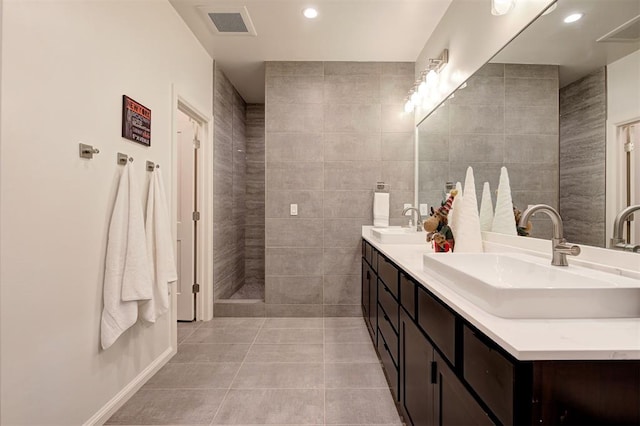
x=405, y=206
x=294, y=209
x=424, y=209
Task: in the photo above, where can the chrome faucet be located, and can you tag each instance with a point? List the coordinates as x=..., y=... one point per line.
x=617, y=242
x=559, y=246
x=419, y=218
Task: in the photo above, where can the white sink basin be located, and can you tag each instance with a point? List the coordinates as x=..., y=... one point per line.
x=398, y=235
x=521, y=286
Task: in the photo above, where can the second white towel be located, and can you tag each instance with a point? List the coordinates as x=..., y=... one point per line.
x=126, y=276
x=159, y=250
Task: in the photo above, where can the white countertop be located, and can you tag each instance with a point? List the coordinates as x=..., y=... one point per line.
x=533, y=339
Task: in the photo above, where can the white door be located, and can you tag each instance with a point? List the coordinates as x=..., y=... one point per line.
x=186, y=226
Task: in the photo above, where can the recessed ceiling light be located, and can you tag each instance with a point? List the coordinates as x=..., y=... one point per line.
x=572, y=18
x=310, y=13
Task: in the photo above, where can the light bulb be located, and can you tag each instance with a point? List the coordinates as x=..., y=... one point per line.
x=415, y=98
x=408, y=106
x=501, y=7
x=432, y=78
x=422, y=89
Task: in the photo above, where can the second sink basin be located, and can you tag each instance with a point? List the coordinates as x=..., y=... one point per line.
x=521, y=286
x=398, y=235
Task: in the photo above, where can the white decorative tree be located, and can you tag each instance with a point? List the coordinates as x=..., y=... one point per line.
x=468, y=237
x=486, y=209
x=504, y=222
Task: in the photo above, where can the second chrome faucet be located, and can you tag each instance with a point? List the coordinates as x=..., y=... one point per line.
x=418, y=217
x=559, y=246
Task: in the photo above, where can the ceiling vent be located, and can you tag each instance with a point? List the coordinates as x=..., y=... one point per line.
x=228, y=20
x=629, y=32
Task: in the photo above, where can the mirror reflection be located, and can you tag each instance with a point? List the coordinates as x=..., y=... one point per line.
x=558, y=107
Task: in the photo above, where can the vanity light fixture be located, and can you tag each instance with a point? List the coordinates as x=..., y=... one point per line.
x=502, y=7
x=310, y=13
x=573, y=18
x=427, y=85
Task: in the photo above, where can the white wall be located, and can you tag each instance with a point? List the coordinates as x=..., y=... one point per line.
x=623, y=105
x=65, y=66
x=472, y=35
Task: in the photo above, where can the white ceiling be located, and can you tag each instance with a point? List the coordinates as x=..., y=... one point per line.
x=573, y=46
x=345, y=30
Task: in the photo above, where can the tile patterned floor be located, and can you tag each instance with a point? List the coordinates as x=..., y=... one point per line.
x=276, y=371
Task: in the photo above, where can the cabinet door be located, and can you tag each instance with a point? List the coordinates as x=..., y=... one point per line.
x=457, y=406
x=417, y=389
x=366, y=289
x=369, y=299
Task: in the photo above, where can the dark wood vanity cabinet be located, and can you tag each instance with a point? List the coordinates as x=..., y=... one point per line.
x=443, y=371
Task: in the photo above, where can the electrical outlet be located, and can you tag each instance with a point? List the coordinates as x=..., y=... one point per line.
x=294, y=209
x=424, y=209
x=405, y=206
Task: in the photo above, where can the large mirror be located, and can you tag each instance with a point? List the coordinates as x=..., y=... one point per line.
x=556, y=107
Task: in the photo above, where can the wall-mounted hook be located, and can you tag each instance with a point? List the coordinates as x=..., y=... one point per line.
x=122, y=159
x=151, y=166
x=87, y=151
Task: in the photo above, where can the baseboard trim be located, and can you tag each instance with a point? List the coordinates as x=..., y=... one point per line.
x=127, y=392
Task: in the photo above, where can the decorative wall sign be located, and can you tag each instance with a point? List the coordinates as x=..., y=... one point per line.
x=136, y=121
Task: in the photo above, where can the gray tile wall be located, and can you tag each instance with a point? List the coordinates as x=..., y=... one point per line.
x=254, y=198
x=229, y=188
x=333, y=129
x=506, y=116
x=583, y=115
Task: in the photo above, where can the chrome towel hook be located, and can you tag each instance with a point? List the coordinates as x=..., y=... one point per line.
x=151, y=166
x=87, y=151
x=123, y=158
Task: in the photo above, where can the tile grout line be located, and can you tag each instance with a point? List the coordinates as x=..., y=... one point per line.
x=237, y=372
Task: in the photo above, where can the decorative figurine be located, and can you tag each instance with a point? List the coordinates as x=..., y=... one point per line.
x=523, y=231
x=437, y=226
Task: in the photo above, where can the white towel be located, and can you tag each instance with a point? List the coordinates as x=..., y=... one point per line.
x=468, y=236
x=381, y=209
x=126, y=276
x=504, y=221
x=486, y=208
x=159, y=250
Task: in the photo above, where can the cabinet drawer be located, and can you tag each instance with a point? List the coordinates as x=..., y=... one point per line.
x=390, y=367
x=438, y=322
x=389, y=274
x=389, y=336
x=408, y=295
x=366, y=288
x=490, y=374
x=389, y=305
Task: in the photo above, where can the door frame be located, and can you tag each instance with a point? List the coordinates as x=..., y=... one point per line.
x=204, y=230
x=615, y=191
